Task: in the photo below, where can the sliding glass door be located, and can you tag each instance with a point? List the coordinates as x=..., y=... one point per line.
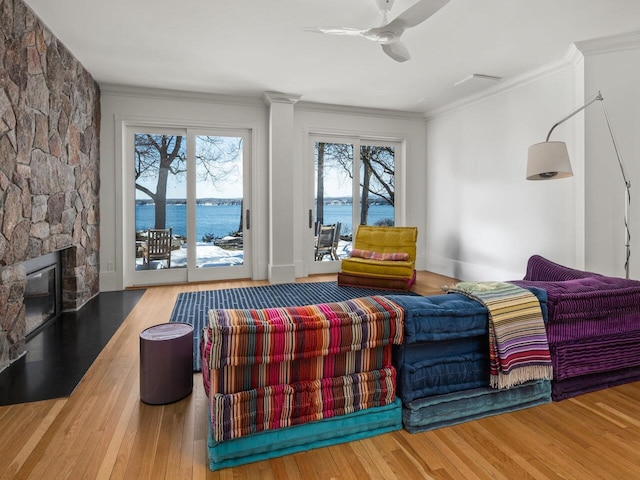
x=221, y=211
x=189, y=205
x=354, y=184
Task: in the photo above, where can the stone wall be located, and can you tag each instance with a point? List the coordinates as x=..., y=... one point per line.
x=49, y=167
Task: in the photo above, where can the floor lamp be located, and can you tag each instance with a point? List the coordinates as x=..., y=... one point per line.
x=549, y=160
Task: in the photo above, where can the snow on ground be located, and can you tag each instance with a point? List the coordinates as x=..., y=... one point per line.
x=209, y=255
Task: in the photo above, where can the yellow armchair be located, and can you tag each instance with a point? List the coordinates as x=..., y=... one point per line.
x=381, y=257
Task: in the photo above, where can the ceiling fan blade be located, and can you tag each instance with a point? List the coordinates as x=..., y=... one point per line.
x=397, y=50
x=388, y=35
x=415, y=15
x=351, y=32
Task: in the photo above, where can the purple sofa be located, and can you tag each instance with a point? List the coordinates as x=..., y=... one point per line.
x=593, y=327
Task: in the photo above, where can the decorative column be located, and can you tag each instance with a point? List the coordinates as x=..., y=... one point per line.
x=281, y=160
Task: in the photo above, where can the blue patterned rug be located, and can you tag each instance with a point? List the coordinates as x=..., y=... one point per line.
x=192, y=307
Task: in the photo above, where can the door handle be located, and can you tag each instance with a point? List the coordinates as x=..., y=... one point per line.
x=310, y=218
x=247, y=217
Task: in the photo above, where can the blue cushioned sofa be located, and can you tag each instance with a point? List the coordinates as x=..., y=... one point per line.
x=443, y=364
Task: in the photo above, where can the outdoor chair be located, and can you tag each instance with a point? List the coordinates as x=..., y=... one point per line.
x=336, y=240
x=158, y=245
x=327, y=240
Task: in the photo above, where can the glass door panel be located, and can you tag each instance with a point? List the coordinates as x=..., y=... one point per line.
x=219, y=201
x=189, y=208
x=333, y=200
x=377, y=185
x=160, y=201
x=354, y=184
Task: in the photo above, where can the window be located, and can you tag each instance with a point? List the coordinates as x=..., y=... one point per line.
x=189, y=206
x=352, y=190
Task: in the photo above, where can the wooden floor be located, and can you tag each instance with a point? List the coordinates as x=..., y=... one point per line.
x=104, y=431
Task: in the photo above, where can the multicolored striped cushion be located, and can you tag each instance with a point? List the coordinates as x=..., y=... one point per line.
x=244, y=413
x=277, y=367
x=232, y=379
x=272, y=335
x=370, y=255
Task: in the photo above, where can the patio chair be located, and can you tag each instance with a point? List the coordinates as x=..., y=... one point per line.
x=327, y=241
x=158, y=245
x=336, y=239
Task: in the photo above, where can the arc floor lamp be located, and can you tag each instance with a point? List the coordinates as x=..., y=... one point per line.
x=550, y=160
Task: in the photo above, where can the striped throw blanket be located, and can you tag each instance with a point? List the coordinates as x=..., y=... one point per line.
x=270, y=335
x=518, y=347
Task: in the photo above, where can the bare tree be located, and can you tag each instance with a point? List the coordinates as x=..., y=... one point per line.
x=320, y=185
x=217, y=157
x=377, y=181
x=379, y=165
x=158, y=156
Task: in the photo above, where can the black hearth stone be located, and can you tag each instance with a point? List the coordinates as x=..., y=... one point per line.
x=59, y=355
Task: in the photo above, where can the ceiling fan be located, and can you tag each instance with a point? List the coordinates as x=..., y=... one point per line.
x=389, y=33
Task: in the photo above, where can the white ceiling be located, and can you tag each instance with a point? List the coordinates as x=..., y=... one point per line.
x=247, y=47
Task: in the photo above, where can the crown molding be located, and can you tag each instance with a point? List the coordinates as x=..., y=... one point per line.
x=504, y=86
x=359, y=111
x=280, y=97
x=573, y=57
x=180, y=95
x=259, y=102
x=612, y=43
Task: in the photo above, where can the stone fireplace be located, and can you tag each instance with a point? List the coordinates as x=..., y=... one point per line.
x=49, y=169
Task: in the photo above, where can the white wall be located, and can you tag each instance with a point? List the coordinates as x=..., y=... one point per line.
x=484, y=219
x=184, y=109
x=494, y=219
x=613, y=67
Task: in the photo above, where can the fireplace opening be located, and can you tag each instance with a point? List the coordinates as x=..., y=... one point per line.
x=43, y=293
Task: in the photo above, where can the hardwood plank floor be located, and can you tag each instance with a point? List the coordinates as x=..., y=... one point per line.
x=103, y=430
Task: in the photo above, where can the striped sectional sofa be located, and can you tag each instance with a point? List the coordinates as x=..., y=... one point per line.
x=284, y=380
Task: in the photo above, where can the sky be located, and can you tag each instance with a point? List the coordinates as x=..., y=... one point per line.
x=228, y=152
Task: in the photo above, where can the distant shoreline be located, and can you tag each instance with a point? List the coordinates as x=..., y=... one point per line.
x=200, y=201
x=217, y=221
x=238, y=201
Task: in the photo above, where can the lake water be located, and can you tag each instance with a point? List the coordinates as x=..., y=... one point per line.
x=221, y=220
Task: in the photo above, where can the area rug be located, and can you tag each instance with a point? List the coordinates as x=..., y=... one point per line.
x=192, y=307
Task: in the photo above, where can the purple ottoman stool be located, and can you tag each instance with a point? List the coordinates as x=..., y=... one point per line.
x=166, y=363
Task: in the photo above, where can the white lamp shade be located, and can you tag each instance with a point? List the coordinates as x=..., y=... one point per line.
x=548, y=160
